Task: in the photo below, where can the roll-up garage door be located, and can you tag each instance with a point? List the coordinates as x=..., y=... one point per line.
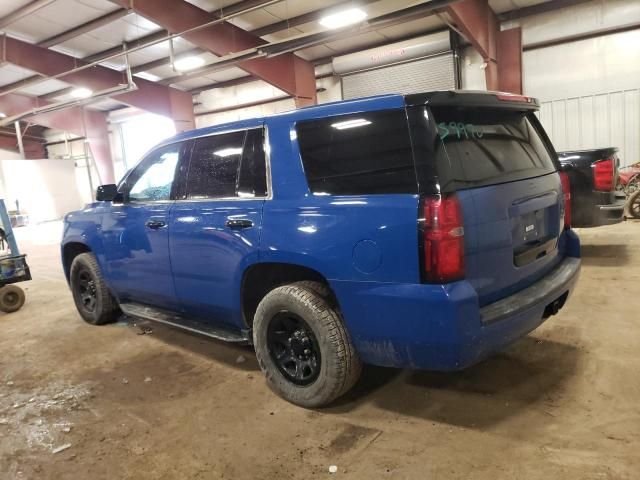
x=433, y=73
x=411, y=66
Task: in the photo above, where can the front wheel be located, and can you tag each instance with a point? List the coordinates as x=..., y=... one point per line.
x=303, y=347
x=90, y=293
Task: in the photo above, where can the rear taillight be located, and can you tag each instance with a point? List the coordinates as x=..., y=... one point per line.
x=604, y=175
x=566, y=190
x=443, y=239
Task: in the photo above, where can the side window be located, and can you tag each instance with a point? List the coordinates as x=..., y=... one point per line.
x=228, y=165
x=253, y=172
x=363, y=153
x=153, y=178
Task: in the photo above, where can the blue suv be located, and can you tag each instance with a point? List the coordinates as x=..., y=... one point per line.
x=421, y=231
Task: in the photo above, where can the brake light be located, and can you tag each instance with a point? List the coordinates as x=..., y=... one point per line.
x=566, y=189
x=604, y=175
x=443, y=239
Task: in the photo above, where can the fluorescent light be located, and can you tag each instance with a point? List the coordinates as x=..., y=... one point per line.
x=81, y=93
x=3, y=115
x=343, y=18
x=356, y=122
x=188, y=63
x=227, y=152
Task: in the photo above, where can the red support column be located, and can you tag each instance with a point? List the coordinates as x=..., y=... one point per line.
x=510, y=60
x=501, y=50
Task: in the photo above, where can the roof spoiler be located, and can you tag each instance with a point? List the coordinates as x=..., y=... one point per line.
x=473, y=98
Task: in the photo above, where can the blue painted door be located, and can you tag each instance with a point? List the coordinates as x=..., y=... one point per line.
x=215, y=228
x=136, y=231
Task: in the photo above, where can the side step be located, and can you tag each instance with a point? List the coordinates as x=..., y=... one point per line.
x=173, y=319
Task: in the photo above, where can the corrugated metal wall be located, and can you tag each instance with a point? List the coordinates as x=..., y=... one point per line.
x=592, y=121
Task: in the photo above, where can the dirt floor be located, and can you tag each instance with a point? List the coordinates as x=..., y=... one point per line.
x=82, y=402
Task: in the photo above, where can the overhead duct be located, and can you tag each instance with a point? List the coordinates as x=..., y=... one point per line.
x=417, y=65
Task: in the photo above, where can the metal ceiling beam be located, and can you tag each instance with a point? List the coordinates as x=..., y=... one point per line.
x=22, y=12
x=149, y=96
x=275, y=49
x=85, y=28
x=287, y=72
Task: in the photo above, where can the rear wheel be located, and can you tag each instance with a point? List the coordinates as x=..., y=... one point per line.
x=303, y=347
x=93, y=300
x=11, y=298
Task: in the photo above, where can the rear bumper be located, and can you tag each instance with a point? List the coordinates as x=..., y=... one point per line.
x=600, y=215
x=442, y=327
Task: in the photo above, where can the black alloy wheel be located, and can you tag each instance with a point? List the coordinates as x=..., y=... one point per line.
x=294, y=348
x=87, y=291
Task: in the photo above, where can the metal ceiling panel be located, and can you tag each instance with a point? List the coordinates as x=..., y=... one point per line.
x=44, y=87
x=228, y=74
x=501, y=6
x=312, y=53
x=211, y=5
x=255, y=19
x=357, y=41
x=11, y=73
x=58, y=17
x=7, y=7
x=410, y=28
x=293, y=8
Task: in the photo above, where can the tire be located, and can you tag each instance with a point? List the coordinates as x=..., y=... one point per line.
x=330, y=370
x=11, y=298
x=633, y=204
x=93, y=300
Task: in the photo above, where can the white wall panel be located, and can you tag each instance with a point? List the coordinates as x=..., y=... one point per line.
x=603, y=120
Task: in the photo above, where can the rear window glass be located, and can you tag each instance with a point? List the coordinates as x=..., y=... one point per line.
x=364, y=153
x=488, y=146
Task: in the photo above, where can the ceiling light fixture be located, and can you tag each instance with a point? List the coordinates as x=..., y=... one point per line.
x=343, y=18
x=188, y=63
x=3, y=115
x=81, y=93
x=356, y=122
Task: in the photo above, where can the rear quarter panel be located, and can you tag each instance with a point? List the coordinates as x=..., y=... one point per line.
x=371, y=238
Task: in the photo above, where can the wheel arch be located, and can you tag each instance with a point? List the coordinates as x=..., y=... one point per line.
x=71, y=250
x=260, y=278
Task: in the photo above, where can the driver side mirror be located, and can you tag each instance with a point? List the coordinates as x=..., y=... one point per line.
x=107, y=193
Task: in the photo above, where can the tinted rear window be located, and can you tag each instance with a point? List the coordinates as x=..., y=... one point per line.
x=364, y=153
x=479, y=147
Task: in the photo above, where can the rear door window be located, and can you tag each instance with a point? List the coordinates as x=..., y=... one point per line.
x=481, y=146
x=356, y=154
x=228, y=165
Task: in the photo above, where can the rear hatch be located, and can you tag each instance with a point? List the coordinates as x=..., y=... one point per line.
x=500, y=164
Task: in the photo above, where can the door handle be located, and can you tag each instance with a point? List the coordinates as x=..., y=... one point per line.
x=238, y=224
x=155, y=224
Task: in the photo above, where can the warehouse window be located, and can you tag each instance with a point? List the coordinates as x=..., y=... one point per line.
x=364, y=153
x=228, y=165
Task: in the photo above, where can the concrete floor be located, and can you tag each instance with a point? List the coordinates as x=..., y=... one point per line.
x=561, y=403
